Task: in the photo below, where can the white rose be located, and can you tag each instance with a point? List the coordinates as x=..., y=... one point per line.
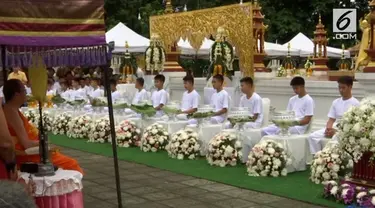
x=271, y=151
x=284, y=172
x=336, y=168
x=153, y=149
x=192, y=157
x=154, y=131
x=326, y=176
x=137, y=131
x=151, y=141
x=222, y=163
x=334, y=190
x=237, y=144
x=126, y=144
x=357, y=127
x=180, y=156
x=274, y=173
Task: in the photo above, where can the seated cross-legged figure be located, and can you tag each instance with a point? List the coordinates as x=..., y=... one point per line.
x=337, y=110
x=140, y=96
x=301, y=104
x=159, y=98
x=24, y=134
x=190, y=100
x=219, y=100
x=253, y=101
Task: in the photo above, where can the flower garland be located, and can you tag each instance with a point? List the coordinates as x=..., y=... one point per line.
x=61, y=124
x=328, y=164
x=47, y=121
x=356, y=130
x=349, y=194
x=221, y=58
x=224, y=149
x=184, y=144
x=155, y=56
x=100, y=131
x=79, y=127
x=268, y=158
x=154, y=138
x=127, y=134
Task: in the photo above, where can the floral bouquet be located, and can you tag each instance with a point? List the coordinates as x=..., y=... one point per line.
x=184, y=144
x=268, y=158
x=61, y=124
x=79, y=127
x=349, y=194
x=224, y=149
x=154, y=138
x=356, y=130
x=47, y=121
x=100, y=131
x=328, y=164
x=128, y=135
x=32, y=116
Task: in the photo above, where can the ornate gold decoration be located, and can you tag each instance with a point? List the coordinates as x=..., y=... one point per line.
x=168, y=7
x=196, y=25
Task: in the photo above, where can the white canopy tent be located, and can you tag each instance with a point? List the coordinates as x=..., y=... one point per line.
x=272, y=49
x=306, y=47
x=121, y=33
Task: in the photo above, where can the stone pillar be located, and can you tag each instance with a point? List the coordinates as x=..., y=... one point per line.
x=258, y=36
x=320, y=47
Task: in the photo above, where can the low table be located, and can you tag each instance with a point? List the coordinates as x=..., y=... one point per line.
x=297, y=147
x=63, y=190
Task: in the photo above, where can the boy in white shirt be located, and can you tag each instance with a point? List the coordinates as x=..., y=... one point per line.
x=302, y=105
x=253, y=101
x=96, y=91
x=87, y=84
x=159, y=98
x=50, y=90
x=115, y=94
x=337, y=110
x=190, y=99
x=77, y=92
x=219, y=100
x=141, y=94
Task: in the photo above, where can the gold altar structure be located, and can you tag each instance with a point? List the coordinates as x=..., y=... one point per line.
x=320, y=47
x=196, y=25
x=259, y=30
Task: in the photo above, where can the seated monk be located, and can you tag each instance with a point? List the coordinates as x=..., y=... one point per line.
x=25, y=135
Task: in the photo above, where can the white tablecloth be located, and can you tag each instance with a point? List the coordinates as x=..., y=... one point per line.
x=206, y=133
x=173, y=126
x=234, y=95
x=63, y=182
x=250, y=137
x=297, y=147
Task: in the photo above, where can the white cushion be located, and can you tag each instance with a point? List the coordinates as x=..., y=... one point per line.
x=266, y=111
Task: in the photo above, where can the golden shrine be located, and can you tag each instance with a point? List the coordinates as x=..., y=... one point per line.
x=344, y=68
x=196, y=25
x=258, y=33
x=371, y=48
x=320, y=47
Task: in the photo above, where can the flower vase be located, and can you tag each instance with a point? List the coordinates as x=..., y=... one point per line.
x=284, y=132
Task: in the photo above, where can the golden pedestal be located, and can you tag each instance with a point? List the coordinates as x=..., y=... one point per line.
x=335, y=75
x=320, y=64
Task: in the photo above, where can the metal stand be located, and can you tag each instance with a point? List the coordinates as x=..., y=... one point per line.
x=45, y=168
x=113, y=135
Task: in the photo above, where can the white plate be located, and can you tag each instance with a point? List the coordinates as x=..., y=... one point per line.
x=33, y=151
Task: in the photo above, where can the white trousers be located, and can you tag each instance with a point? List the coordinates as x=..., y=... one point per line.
x=217, y=119
x=316, y=140
x=273, y=130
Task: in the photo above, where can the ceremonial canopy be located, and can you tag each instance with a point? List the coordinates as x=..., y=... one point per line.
x=65, y=32
x=200, y=24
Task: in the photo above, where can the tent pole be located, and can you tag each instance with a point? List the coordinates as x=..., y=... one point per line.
x=3, y=57
x=113, y=134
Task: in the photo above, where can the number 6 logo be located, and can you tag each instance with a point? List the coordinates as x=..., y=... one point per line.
x=343, y=19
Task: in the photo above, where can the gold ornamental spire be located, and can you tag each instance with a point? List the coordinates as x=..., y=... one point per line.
x=168, y=7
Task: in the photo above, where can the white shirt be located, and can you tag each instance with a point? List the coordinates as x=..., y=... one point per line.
x=78, y=94
x=97, y=93
x=140, y=96
x=56, y=87
x=190, y=100
x=255, y=104
x=88, y=89
x=159, y=97
x=340, y=106
x=67, y=94
x=220, y=100
x=115, y=96
x=302, y=107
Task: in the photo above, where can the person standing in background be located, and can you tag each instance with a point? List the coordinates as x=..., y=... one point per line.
x=17, y=73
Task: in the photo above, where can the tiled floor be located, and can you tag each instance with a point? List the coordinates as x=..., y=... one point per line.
x=146, y=187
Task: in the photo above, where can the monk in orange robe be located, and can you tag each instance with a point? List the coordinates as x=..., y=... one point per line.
x=25, y=135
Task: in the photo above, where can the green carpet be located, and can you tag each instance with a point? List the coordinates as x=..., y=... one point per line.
x=294, y=186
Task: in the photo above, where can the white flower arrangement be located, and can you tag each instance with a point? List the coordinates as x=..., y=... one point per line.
x=61, y=124
x=356, y=129
x=32, y=116
x=184, y=144
x=224, y=149
x=328, y=164
x=79, y=127
x=268, y=158
x=128, y=135
x=47, y=121
x=155, y=55
x=100, y=131
x=154, y=138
